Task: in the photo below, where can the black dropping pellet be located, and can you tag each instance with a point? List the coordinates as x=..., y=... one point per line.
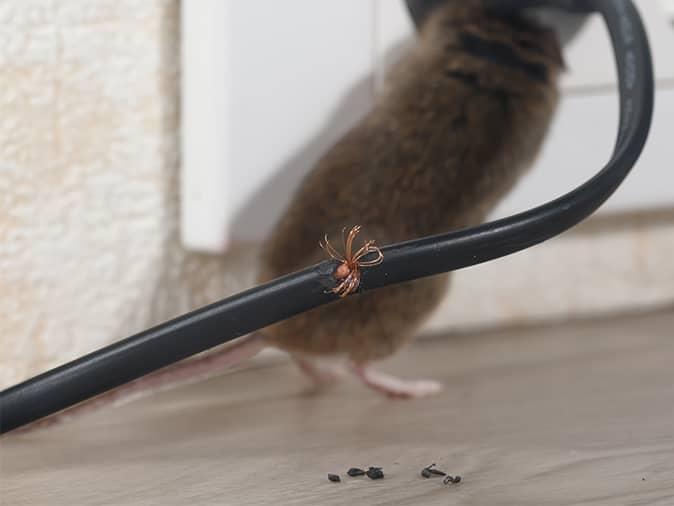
x=428, y=471
x=451, y=479
x=334, y=477
x=354, y=471
x=375, y=473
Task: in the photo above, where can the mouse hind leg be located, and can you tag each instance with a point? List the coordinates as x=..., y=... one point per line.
x=393, y=387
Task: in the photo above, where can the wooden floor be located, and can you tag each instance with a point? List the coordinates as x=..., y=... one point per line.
x=571, y=414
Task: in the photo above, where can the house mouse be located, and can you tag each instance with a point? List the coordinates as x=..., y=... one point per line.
x=462, y=118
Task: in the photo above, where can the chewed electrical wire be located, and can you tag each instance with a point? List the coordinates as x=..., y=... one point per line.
x=348, y=271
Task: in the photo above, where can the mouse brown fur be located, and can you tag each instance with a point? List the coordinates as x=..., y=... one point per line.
x=463, y=118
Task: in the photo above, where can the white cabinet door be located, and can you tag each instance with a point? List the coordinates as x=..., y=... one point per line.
x=581, y=141
x=268, y=85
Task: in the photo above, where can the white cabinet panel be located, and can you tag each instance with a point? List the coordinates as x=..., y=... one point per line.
x=580, y=143
x=590, y=59
x=668, y=6
x=269, y=85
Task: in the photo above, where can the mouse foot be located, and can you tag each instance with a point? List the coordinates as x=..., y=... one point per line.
x=393, y=387
x=319, y=375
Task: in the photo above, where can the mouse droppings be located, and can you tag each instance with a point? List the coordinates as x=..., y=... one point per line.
x=429, y=471
x=451, y=479
x=354, y=471
x=375, y=473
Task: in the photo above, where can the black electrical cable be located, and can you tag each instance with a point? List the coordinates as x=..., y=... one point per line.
x=254, y=309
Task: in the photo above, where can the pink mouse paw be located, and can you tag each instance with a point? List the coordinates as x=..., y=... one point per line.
x=396, y=388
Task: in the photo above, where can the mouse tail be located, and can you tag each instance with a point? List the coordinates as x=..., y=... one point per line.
x=180, y=374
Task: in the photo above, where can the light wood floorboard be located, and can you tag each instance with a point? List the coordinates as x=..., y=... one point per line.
x=569, y=414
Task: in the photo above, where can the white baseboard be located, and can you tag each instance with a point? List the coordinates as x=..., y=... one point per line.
x=610, y=265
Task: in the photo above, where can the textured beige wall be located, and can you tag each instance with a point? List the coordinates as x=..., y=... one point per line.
x=88, y=180
x=89, y=249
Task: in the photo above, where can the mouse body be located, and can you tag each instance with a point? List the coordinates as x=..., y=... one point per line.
x=463, y=117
